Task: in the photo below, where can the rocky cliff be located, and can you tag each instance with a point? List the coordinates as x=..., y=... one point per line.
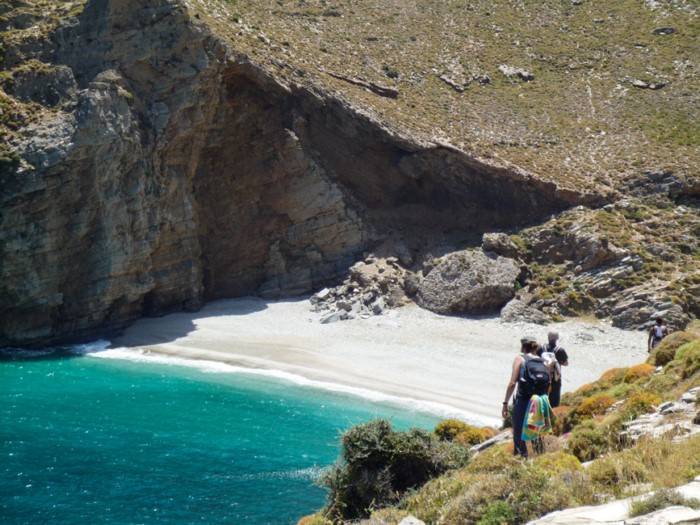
x=152, y=166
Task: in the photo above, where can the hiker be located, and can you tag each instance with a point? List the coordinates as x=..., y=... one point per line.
x=526, y=388
x=656, y=334
x=555, y=354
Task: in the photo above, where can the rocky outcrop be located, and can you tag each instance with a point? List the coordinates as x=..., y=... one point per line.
x=670, y=418
x=469, y=282
x=588, y=249
x=173, y=170
x=618, y=512
x=374, y=284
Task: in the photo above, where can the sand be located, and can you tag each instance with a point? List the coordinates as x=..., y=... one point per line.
x=453, y=365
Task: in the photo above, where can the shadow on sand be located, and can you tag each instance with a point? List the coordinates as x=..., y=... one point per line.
x=168, y=328
x=146, y=331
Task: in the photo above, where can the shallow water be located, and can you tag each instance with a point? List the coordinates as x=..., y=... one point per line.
x=91, y=440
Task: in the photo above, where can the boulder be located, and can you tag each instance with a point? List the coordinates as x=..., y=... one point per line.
x=501, y=244
x=411, y=520
x=469, y=282
x=518, y=311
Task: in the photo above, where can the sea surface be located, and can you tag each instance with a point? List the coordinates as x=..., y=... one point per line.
x=90, y=435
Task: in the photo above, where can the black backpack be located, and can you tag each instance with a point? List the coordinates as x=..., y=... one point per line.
x=534, y=377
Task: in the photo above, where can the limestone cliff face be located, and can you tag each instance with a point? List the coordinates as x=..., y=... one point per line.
x=172, y=170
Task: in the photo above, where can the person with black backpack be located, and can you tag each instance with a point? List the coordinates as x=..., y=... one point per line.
x=532, y=376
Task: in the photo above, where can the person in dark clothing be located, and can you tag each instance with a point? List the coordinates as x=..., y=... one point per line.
x=552, y=352
x=529, y=348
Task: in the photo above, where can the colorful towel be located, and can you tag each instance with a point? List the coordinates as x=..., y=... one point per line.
x=538, y=418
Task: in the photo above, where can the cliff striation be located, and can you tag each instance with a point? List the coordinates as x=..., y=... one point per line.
x=152, y=166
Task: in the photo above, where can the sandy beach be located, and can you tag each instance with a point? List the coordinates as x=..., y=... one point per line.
x=451, y=363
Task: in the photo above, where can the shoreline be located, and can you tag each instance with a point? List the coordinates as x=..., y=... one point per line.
x=408, y=354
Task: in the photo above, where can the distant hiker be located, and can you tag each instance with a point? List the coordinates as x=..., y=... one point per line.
x=555, y=354
x=657, y=333
x=531, y=376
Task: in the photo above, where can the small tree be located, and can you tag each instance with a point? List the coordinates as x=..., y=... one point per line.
x=378, y=464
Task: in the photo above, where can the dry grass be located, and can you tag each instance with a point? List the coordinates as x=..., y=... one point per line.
x=580, y=122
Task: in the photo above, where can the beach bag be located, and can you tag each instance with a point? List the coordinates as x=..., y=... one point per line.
x=534, y=377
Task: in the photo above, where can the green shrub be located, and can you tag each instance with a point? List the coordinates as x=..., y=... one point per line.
x=666, y=351
x=623, y=390
x=588, y=441
x=690, y=359
x=615, y=471
x=558, y=462
x=494, y=459
x=638, y=404
x=378, y=464
x=662, y=384
x=662, y=499
x=498, y=513
x=536, y=492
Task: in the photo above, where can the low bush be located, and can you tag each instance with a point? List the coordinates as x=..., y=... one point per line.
x=588, y=441
x=498, y=513
x=494, y=459
x=623, y=390
x=447, y=430
x=613, y=377
x=590, y=407
x=690, y=359
x=662, y=384
x=575, y=398
x=474, y=435
x=617, y=471
x=378, y=464
x=638, y=372
x=666, y=351
x=558, y=463
x=638, y=404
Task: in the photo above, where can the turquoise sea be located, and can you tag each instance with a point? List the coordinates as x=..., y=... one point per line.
x=86, y=439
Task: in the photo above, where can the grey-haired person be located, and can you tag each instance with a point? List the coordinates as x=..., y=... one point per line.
x=552, y=352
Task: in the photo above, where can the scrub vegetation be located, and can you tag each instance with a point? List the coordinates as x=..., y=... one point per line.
x=588, y=94
x=496, y=487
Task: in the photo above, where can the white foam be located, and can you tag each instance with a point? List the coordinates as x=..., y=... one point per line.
x=90, y=348
x=309, y=473
x=215, y=367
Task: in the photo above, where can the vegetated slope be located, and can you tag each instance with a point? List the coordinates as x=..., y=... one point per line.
x=594, y=424
x=587, y=93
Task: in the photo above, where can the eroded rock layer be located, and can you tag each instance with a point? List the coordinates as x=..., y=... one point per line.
x=169, y=170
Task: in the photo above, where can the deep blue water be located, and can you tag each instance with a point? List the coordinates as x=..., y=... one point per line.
x=87, y=440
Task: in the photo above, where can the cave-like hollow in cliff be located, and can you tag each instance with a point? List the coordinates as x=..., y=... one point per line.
x=293, y=186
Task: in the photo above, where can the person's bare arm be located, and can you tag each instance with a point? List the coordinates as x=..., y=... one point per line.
x=514, y=375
